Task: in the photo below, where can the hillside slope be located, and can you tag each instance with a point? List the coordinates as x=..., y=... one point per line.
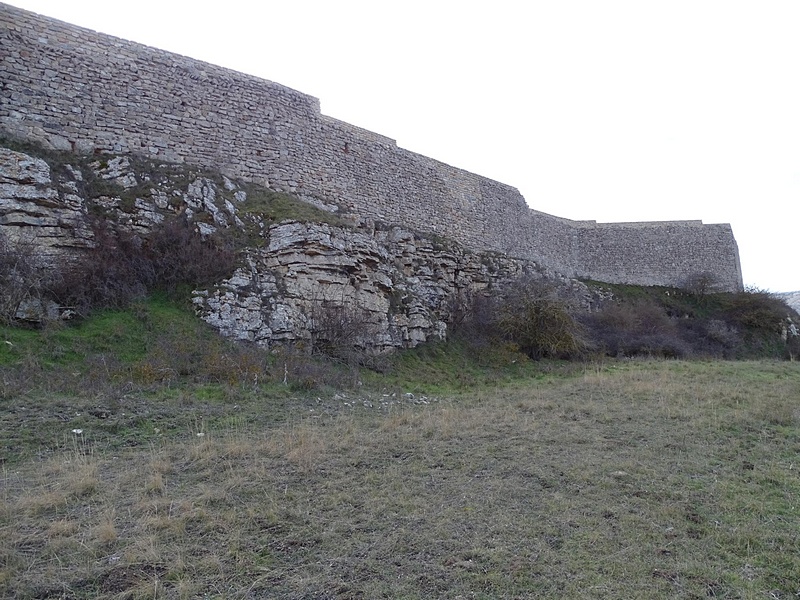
x=791, y=298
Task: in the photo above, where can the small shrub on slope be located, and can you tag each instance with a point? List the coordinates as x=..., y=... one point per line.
x=22, y=276
x=123, y=267
x=538, y=319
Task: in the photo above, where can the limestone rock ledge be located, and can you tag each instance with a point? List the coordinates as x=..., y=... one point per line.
x=391, y=287
x=33, y=209
x=399, y=286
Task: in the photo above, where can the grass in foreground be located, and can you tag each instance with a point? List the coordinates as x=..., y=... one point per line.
x=632, y=480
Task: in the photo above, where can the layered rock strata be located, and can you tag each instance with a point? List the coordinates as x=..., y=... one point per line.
x=391, y=287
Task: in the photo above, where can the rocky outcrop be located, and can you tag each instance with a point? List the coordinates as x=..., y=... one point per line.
x=390, y=287
x=365, y=285
x=53, y=205
x=33, y=209
x=792, y=299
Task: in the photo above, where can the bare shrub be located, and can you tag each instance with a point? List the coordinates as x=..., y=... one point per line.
x=471, y=319
x=180, y=255
x=704, y=282
x=538, y=317
x=24, y=275
x=295, y=368
x=198, y=356
x=640, y=328
x=722, y=333
x=340, y=329
x=123, y=267
x=112, y=274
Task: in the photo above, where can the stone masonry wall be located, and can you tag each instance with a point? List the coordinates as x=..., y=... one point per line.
x=75, y=89
x=659, y=253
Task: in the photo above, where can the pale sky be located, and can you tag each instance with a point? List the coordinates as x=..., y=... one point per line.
x=614, y=110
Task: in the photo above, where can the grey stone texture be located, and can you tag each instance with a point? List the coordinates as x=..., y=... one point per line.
x=32, y=210
x=396, y=288
x=401, y=287
x=74, y=89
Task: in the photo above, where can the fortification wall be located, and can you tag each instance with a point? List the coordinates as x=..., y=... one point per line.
x=75, y=89
x=657, y=253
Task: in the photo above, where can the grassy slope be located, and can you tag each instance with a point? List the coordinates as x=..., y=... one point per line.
x=617, y=480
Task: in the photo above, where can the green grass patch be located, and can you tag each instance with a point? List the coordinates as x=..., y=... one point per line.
x=274, y=207
x=455, y=366
x=122, y=335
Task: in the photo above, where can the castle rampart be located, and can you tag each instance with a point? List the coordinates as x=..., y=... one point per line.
x=74, y=89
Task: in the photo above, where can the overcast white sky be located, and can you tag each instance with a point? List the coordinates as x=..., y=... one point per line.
x=614, y=110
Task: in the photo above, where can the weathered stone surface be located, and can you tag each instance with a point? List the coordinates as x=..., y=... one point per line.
x=75, y=89
x=401, y=286
x=395, y=285
x=20, y=169
x=118, y=170
x=33, y=208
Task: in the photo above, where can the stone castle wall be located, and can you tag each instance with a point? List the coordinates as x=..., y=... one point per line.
x=75, y=89
x=652, y=253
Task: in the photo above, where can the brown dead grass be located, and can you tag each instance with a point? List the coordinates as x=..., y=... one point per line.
x=635, y=480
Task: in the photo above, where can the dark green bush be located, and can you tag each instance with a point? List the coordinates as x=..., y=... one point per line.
x=755, y=309
x=686, y=323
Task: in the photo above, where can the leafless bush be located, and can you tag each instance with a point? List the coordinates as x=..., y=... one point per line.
x=341, y=329
x=639, y=328
x=111, y=275
x=24, y=275
x=538, y=317
x=123, y=267
x=180, y=356
x=471, y=320
x=180, y=255
x=720, y=332
x=703, y=282
x=295, y=368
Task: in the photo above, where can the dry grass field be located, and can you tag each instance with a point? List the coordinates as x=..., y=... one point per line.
x=651, y=479
x=143, y=456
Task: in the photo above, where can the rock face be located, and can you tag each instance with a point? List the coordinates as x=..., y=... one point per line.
x=792, y=299
x=299, y=282
x=382, y=289
x=33, y=208
x=59, y=213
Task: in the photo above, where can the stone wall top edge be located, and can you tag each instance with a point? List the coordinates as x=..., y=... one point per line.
x=593, y=224
x=361, y=131
x=651, y=224
x=463, y=172
x=133, y=45
x=571, y=222
x=645, y=224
